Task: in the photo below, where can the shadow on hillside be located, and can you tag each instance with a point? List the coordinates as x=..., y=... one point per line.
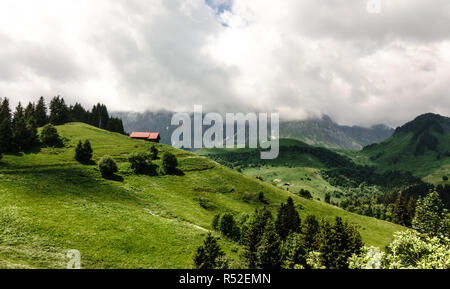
x=88, y=163
x=176, y=172
x=114, y=177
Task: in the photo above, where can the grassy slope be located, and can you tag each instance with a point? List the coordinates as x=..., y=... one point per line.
x=50, y=204
x=401, y=148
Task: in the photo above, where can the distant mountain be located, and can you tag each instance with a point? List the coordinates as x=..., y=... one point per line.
x=325, y=132
x=318, y=132
x=419, y=146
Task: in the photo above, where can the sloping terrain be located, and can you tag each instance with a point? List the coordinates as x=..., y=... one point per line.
x=50, y=204
x=421, y=146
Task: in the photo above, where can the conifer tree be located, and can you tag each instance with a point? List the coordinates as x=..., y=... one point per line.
x=295, y=252
x=269, y=250
x=309, y=233
x=255, y=228
x=5, y=127
x=208, y=255
x=59, y=112
x=288, y=220
x=40, y=112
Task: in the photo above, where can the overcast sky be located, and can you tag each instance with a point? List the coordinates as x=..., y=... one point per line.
x=302, y=58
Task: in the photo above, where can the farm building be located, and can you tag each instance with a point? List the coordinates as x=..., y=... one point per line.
x=148, y=136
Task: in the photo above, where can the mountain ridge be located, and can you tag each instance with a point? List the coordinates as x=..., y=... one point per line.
x=319, y=132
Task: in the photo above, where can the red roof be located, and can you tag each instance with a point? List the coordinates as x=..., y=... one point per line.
x=145, y=135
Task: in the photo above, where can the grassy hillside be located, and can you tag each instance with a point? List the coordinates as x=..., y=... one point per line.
x=421, y=146
x=49, y=204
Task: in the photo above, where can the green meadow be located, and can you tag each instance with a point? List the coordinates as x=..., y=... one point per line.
x=49, y=204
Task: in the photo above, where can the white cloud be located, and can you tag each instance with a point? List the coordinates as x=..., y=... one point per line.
x=301, y=58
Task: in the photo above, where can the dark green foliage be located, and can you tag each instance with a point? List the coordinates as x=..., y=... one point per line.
x=59, y=112
x=99, y=116
x=305, y=194
x=79, y=114
x=401, y=215
x=154, y=152
x=208, y=255
x=115, y=125
x=269, y=250
x=83, y=152
x=6, y=134
x=169, y=163
x=50, y=136
x=40, y=112
x=261, y=198
x=141, y=163
x=337, y=243
x=295, y=252
x=228, y=227
x=288, y=220
x=309, y=233
x=215, y=222
x=327, y=198
x=24, y=131
x=444, y=178
x=431, y=217
x=255, y=228
x=107, y=166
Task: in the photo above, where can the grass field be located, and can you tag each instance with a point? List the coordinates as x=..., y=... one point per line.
x=49, y=204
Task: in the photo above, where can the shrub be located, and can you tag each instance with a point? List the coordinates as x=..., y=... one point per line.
x=305, y=194
x=107, y=166
x=83, y=152
x=169, y=163
x=140, y=162
x=445, y=178
x=154, y=153
x=50, y=136
x=228, y=227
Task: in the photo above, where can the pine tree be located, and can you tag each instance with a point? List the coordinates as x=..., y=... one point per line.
x=288, y=220
x=338, y=243
x=400, y=213
x=20, y=132
x=40, y=113
x=59, y=112
x=269, y=250
x=208, y=255
x=295, y=252
x=29, y=111
x=83, y=152
x=255, y=228
x=5, y=127
x=309, y=233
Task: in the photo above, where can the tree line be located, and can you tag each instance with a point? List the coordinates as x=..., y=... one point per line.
x=282, y=242
x=289, y=243
x=18, y=129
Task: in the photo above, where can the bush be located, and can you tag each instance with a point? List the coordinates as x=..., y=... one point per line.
x=50, y=136
x=445, y=178
x=107, y=166
x=83, y=152
x=140, y=162
x=305, y=194
x=228, y=227
x=154, y=153
x=169, y=163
